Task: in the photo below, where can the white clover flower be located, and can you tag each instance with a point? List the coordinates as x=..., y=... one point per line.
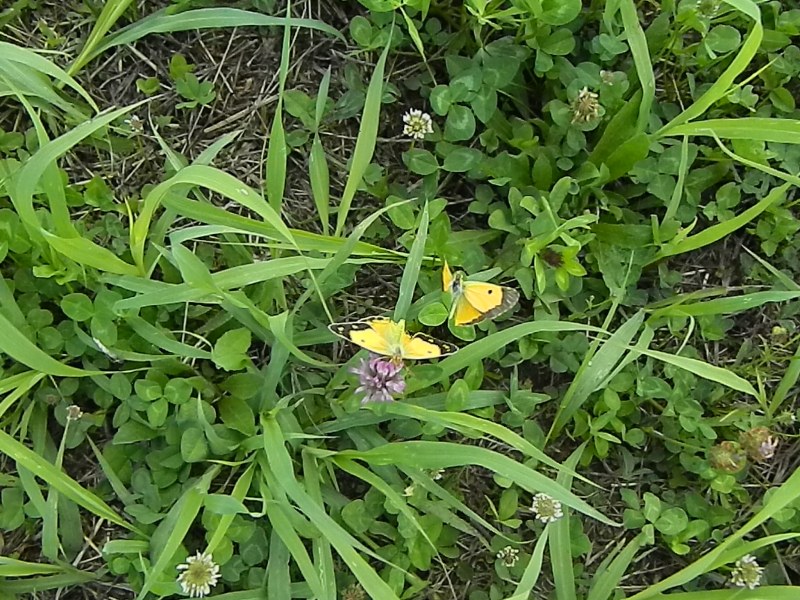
x=509, y=555
x=74, y=412
x=417, y=124
x=767, y=448
x=409, y=491
x=586, y=107
x=546, y=509
x=199, y=574
x=135, y=123
x=747, y=573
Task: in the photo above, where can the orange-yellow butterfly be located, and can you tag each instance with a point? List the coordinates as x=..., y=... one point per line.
x=381, y=335
x=476, y=301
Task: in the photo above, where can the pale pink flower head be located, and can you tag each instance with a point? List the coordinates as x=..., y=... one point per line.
x=379, y=379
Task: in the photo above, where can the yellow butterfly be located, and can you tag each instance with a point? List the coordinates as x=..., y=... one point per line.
x=381, y=335
x=476, y=301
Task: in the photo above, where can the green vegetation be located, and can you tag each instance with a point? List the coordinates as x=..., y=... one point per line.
x=192, y=191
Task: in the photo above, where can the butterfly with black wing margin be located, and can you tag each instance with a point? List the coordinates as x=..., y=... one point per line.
x=476, y=301
x=381, y=335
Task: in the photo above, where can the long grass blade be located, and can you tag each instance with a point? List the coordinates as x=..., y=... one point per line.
x=779, y=498
x=722, y=85
x=170, y=533
x=202, y=18
x=641, y=60
x=721, y=230
x=408, y=283
x=530, y=577
x=365, y=143
x=783, y=131
x=726, y=306
x=341, y=540
x=21, y=349
x=484, y=347
x=592, y=373
x=561, y=539
x=608, y=579
x=112, y=11
x=445, y=455
x=57, y=479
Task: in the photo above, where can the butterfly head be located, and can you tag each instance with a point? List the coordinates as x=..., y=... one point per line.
x=452, y=282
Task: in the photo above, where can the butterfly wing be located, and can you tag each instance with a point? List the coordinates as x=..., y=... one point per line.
x=424, y=347
x=480, y=301
x=371, y=334
x=447, y=278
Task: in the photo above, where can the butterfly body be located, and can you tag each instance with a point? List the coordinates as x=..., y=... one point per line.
x=381, y=335
x=476, y=301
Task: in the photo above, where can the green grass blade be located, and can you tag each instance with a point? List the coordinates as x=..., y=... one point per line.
x=487, y=346
x=16, y=386
x=308, y=242
x=319, y=177
x=782, y=175
x=88, y=254
x=721, y=230
x=32, y=60
x=464, y=422
x=112, y=11
x=159, y=338
x=48, y=582
x=779, y=499
x=277, y=152
x=170, y=533
x=607, y=579
x=530, y=577
x=677, y=193
x=202, y=18
x=279, y=579
x=240, y=490
x=722, y=85
x=365, y=143
x=212, y=179
x=57, y=479
x=641, y=60
x=786, y=385
x=31, y=173
x=620, y=128
x=21, y=349
x=703, y=369
x=444, y=455
x=395, y=499
x=276, y=161
x=726, y=306
x=593, y=372
x=561, y=539
x=12, y=567
x=781, y=277
x=772, y=592
x=321, y=547
x=278, y=513
x=346, y=248
x=114, y=480
x=411, y=273
x=783, y=131
x=341, y=540
x=414, y=34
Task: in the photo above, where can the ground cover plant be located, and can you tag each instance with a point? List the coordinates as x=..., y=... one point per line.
x=557, y=237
